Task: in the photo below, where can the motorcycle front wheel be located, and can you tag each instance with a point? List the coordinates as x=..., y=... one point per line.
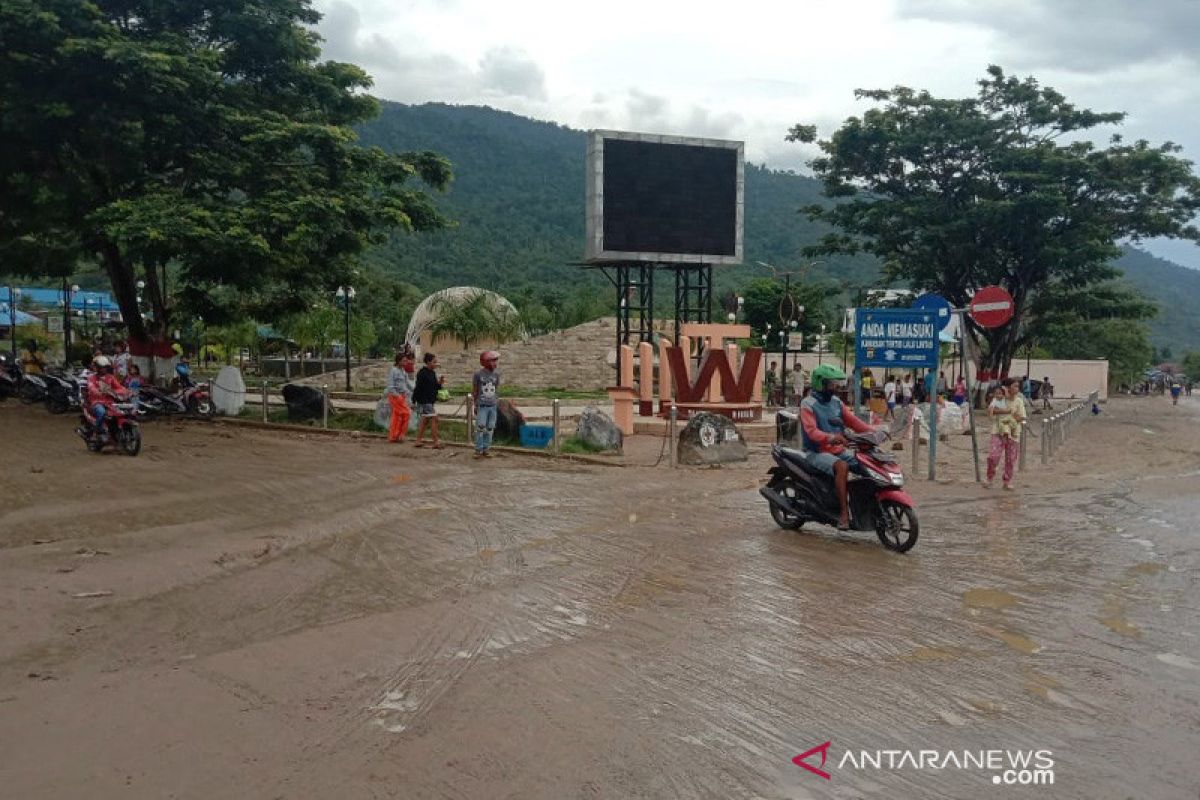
x=131, y=441
x=790, y=522
x=896, y=525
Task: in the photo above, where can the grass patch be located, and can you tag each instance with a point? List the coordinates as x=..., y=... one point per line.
x=577, y=446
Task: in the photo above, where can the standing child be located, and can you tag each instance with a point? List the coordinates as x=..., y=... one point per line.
x=906, y=390
x=400, y=386
x=485, y=386
x=425, y=396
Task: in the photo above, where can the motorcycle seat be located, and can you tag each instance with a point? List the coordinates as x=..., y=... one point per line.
x=800, y=459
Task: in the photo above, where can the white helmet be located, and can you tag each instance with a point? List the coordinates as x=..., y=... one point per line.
x=101, y=361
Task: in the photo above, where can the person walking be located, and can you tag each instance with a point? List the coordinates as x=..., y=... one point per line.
x=943, y=387
x=425, y=396
x=1007, y=412
x=906, y=390
x=771, y=382
x=399, y=390
x=889, y=397
x=1047, y=393
x=485, y=387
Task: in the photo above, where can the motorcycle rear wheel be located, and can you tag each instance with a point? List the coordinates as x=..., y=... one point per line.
x=789, y=522
x=897, y=527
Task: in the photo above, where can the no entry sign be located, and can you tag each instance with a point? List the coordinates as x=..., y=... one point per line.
x=991, y=307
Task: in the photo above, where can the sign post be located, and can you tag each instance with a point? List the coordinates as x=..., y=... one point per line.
x=900, y=338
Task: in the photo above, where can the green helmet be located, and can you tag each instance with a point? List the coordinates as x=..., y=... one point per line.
x=825, y=372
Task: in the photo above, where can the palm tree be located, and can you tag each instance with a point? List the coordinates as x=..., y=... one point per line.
x=474, y=318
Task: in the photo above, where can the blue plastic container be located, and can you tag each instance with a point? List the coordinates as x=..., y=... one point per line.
x=538, y=436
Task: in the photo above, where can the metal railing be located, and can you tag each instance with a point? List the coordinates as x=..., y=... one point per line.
x=1057, y=428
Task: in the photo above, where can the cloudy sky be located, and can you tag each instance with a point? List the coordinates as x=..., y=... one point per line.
x=750, y=69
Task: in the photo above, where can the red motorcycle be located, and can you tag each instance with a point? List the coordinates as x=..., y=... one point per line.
x=120, y=429
x=799, y=492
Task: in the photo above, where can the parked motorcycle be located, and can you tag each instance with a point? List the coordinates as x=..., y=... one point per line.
x=33, y=388
x=799, y=492
x=63, y=393
x=194, y=400
x=10, y=377
x=121, y=428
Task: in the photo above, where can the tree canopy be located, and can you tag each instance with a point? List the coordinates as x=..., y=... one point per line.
x=203, y=135
x=1002, y=188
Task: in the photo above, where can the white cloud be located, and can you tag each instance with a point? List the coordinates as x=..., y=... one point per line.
x=752, y=70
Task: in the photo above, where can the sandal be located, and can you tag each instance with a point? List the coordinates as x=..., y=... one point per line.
x=436, y=446
x=419, y=444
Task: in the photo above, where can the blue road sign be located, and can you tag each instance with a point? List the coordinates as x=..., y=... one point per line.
x=938, y=305
x=897, y=338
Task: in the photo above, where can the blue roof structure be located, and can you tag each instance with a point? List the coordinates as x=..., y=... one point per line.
x=6, y=317
x=80, y=301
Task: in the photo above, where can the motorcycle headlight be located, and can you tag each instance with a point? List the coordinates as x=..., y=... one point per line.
x=897, y=479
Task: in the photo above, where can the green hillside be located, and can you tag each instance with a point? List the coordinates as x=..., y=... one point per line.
x=518, y=201
x=1176, y=289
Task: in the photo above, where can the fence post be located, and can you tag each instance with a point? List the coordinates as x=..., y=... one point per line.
x=1021, y=461
x=470, y=417
x=1045, y=442
x=916, y=440
x=557, y=446
x=264, y=392
x=325, y=405
x=672, y=418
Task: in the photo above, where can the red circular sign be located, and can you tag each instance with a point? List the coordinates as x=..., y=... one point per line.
x=992, y=306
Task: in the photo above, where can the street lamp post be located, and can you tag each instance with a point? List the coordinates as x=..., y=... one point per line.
x=346, y=294
x=821, y=344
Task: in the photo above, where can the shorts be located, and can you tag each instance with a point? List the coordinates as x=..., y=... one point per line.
x=825, y=461
x=427, y=409
x=891, y=405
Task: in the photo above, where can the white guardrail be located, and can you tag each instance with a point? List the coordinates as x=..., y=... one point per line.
x=1058, y=427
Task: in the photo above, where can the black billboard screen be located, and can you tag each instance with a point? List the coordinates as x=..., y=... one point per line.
x=670, y=199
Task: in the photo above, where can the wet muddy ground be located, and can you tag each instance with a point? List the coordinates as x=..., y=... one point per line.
x=250, y=614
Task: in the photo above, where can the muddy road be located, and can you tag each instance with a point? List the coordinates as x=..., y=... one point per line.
x=248, y=614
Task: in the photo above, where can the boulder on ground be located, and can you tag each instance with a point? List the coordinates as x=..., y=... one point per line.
x=508, y=420
x=303, y=402
x=598, y=430
x=711, y=439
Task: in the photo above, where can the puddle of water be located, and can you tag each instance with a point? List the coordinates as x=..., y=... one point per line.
x=926, y=654
x=1015, y=640
x=1176, y=660
x=989, y=598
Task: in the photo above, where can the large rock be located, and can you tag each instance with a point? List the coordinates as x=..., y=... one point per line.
x=508, y=421
x=303, y=402
x=598, y=429
x=711, y=439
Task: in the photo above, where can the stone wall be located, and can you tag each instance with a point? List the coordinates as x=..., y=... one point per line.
x=577, y=358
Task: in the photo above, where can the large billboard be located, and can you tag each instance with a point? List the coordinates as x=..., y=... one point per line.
x=669, y=199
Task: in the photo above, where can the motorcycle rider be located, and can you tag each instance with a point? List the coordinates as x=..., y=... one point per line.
x=103, y=389
x=823, y=418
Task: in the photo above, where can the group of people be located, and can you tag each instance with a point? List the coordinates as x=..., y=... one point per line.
x=426, y=388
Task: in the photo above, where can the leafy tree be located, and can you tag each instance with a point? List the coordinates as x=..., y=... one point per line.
x=1001, y=189
x=765, y=297
x=196, y=141
x=1125, y=344
x=1190, y=364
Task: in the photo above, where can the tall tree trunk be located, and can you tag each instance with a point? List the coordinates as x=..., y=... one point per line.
x=155, y=295
x=123, y=280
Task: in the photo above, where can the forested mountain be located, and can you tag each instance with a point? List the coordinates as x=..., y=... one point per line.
x=518, y=200
x=1176, y=289
x=518, y=203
